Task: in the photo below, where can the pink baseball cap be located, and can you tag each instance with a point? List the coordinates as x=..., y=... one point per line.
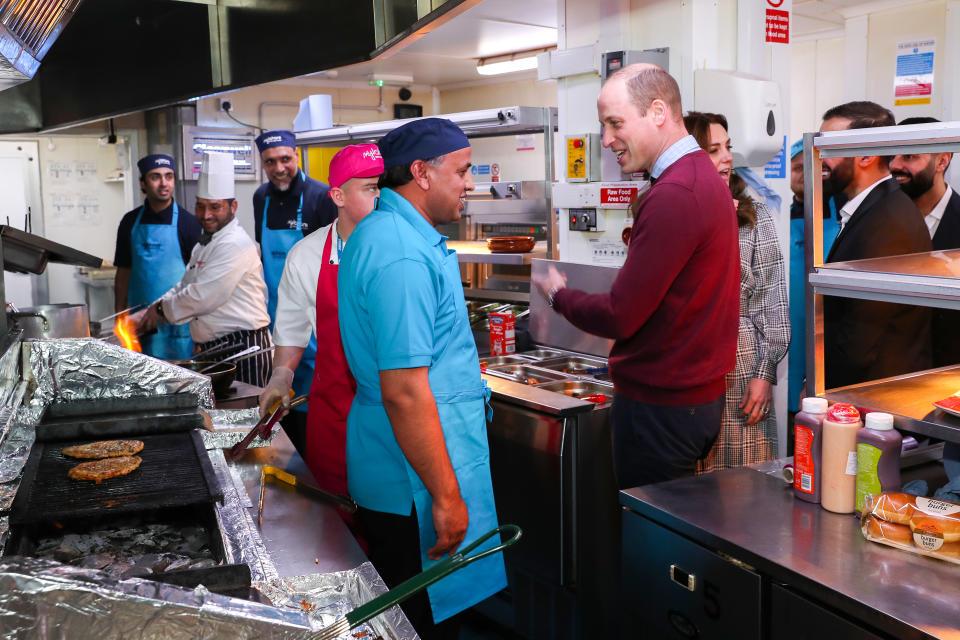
x=355, y=161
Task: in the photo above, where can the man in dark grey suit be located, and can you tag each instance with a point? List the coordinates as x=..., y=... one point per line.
x=866, y=340
x=921, y=176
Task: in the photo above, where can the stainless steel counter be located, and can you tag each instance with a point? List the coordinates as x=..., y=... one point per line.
x=910, y=399
x=302, y=534
x=754, y=518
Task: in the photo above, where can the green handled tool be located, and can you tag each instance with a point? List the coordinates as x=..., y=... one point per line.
x=420, y=581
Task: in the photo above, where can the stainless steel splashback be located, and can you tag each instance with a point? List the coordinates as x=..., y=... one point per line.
x=550, y=328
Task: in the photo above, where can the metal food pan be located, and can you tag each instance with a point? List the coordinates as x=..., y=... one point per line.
x=543, y=354
x=579, y=389
x=496, y=361
x=526, y=374
x=574, y=365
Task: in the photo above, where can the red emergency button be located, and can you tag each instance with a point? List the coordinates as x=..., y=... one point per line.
x=577, y=143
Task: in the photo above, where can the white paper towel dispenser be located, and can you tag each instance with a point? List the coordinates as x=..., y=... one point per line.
x=753, y=110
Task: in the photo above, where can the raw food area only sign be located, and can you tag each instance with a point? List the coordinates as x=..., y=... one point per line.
x=777, y=23
x=913, y=82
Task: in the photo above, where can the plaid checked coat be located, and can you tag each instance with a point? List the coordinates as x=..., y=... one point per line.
x=762, y=343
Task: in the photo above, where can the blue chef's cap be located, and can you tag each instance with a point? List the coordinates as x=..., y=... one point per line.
x=147, y=164
x=795, y=148
x=419, y=140
x=275, y=138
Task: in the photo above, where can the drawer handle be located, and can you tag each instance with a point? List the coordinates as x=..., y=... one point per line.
x=683, y=578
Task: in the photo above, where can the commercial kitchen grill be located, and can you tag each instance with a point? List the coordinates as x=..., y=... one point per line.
x=175, y=472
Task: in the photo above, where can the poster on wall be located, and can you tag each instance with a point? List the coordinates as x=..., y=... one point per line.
x=913, y=82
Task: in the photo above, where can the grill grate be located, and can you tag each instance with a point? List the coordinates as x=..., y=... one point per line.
x=175, y=472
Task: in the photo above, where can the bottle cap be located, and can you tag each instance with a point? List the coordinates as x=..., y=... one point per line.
x=878, y=421
x=843, y=413
x=814, y=405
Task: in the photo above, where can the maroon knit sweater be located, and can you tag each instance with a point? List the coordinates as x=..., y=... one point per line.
x=673, y=308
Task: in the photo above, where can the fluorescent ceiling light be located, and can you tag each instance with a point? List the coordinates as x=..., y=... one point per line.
x=506, y=66
x=518, y=61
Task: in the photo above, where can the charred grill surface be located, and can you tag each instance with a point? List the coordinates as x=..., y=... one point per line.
x=175, y=472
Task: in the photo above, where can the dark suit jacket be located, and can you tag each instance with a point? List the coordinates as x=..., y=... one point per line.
x=946, y=340
x=866, y=340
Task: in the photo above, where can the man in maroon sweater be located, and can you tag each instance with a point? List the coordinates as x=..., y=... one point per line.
x=673, y=308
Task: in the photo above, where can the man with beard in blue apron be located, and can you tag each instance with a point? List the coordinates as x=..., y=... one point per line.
x=418, y=464
x=154, y=242
x=288, y=207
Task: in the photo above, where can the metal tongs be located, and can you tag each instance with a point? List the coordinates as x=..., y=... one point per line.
x=267, y=472
x=418, y=582
x=264, y=428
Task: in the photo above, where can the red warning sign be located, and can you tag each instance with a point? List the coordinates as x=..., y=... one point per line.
x=778, y=26
x=618, y=195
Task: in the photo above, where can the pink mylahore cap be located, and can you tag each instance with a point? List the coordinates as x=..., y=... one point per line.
x=355, y=161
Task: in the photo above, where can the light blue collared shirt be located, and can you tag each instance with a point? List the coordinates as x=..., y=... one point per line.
x=680, y=148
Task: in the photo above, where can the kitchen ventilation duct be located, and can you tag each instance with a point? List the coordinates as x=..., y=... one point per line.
x=27, y=29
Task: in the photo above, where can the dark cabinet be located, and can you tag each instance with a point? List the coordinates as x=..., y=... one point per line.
x=795, y=617
x=675, y=588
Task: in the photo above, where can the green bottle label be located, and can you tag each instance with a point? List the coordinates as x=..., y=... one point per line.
x=868, y=479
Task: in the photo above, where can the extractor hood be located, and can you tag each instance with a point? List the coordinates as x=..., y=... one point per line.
x=27, y=30
x=122, y=56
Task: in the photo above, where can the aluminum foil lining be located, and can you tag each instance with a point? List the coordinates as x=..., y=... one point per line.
x=327, y=597
x=4, y=531
x=87, y=369
x=241, y=538
x=230, y=426
x=45, y=599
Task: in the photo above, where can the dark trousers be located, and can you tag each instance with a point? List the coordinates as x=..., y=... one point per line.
x=653, y=443
x=295, y=426
x=255, y=370
x=395, y=552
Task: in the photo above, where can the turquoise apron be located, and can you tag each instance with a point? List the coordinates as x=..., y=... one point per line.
x=157, y=265
x=275, y=244
x=797, y=369
x=463, y=416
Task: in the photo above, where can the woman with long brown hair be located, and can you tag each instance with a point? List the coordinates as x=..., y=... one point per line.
x=749, y=431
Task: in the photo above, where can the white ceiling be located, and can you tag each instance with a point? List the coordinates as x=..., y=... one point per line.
x=447, y=56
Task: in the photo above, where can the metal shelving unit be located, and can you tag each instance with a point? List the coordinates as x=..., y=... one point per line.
x=526, y=202
x=925, y=279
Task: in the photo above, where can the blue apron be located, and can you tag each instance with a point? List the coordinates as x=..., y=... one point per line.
x=275, y=245
x=797, y=369
x=464, y=413
x=156, y=267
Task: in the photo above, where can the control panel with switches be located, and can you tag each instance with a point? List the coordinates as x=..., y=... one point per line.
x=583, y=158
x=585, y=220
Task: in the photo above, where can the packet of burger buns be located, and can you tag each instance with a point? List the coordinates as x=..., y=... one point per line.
x=922, y=525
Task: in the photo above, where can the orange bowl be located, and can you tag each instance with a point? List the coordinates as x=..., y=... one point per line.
x=511, y=244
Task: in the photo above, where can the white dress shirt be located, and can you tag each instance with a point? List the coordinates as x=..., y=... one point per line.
x=297, y=292
x=936, y=214
x=222, y=290
x=854, y=203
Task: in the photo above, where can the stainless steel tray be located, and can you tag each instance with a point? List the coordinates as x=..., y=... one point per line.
x=579, y=389
x=572, y=364
x=542, y=354
x=496, y=361
x=526, y=374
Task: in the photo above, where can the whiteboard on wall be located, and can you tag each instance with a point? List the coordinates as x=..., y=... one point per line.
x=83, y=202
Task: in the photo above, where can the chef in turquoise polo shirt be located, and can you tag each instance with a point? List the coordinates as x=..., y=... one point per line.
x=418, y=463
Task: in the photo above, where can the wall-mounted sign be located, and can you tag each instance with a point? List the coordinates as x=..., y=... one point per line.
x=913, y=82
x=777, y=27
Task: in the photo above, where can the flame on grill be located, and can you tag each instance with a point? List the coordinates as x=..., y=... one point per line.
x=126, y=331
